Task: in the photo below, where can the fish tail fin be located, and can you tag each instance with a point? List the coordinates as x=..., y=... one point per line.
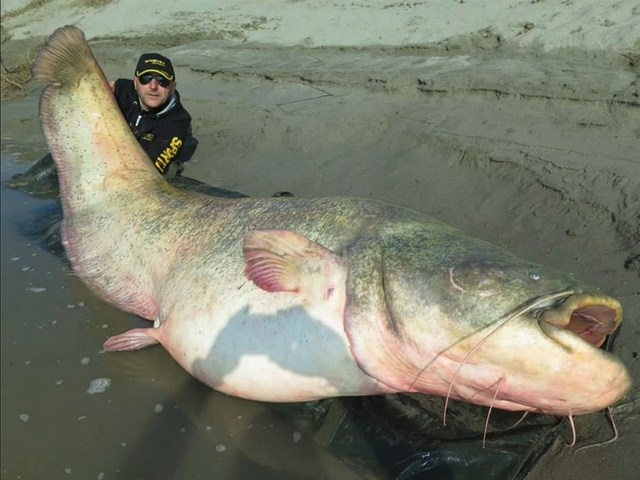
x=65, y=57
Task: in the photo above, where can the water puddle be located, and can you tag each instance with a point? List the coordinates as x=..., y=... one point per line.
x=70, y=410
x=90, y=415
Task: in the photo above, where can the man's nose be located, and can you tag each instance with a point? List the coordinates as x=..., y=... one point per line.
x=153, y=84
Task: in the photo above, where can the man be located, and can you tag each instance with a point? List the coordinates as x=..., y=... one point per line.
x=151, y=106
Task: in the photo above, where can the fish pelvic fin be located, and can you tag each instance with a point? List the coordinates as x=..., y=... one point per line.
x=135, y=339
x=65, y=58
x=284, y=261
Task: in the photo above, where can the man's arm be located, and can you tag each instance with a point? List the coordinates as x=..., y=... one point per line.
x=167, y=143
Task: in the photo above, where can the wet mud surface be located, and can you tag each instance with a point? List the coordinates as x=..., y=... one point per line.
x=542, y=161
x=88, y=414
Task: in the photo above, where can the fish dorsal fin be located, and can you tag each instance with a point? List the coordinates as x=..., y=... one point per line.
x=284, y=261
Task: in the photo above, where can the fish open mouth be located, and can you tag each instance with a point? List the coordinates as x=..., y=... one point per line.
x=590, y=317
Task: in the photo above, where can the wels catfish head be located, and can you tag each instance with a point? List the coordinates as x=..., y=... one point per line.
x=461, y=318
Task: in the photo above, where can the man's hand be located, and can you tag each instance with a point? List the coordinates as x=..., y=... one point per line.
x=112, y=84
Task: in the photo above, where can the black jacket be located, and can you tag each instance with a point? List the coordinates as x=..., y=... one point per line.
x=162, y=132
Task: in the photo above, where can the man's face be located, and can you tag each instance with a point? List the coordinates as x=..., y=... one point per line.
x=152, y=95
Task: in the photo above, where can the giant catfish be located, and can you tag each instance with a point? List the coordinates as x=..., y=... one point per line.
x=293, y=299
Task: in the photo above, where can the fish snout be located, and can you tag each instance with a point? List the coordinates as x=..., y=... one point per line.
x=595, y=378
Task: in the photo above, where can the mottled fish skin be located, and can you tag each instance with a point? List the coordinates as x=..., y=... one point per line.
x=291, y=299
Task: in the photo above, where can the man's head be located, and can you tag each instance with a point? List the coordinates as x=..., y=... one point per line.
x=154, y=81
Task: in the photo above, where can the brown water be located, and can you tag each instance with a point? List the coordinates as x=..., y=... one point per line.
x=69, y=410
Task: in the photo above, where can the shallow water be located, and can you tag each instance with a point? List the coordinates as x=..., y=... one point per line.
x=70, y=410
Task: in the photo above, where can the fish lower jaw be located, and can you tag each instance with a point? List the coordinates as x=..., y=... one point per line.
x=510, y=394
x=565, y=411
x=477, y=386
x=500, y=403
x=561, y=408
x=567, y=398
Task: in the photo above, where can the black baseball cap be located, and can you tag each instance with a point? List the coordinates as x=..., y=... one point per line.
x=154, y=62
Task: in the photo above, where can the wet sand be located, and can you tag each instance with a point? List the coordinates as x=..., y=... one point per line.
x=533, y=148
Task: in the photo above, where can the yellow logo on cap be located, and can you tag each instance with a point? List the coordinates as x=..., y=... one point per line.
x=164, y=74
x=155, y=62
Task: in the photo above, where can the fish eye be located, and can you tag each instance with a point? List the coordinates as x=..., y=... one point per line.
x=534, y=276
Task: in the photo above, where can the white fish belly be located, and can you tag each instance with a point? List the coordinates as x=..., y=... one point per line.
x=267, y=346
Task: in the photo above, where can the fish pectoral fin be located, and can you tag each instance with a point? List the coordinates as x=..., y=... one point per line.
x=135, y=339
x=284, y=261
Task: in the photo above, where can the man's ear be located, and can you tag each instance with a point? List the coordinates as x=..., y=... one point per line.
x=173, y=87
x=135, y=83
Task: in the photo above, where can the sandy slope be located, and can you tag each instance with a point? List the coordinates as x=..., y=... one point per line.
x=592, y=24
x=518, y=122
